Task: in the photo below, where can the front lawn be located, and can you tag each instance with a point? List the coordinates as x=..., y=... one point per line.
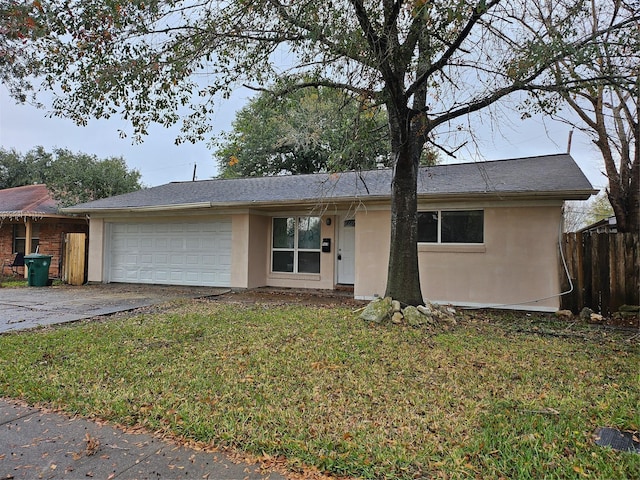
x=499, y=396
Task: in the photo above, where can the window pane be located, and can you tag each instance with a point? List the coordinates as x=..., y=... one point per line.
x=463, y=227
x=427, y=226
x=283, y=232
x=309, y=232
x=308, y=262
x=18, y=246
x=283, y=261
x=19, y=237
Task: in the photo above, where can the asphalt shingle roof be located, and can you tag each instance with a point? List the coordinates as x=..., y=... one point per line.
x=557, y=175
x=27, y=200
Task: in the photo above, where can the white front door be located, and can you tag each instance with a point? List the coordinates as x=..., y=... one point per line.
x=346, y=255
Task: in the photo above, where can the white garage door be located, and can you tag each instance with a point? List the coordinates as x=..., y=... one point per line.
x=171, y=253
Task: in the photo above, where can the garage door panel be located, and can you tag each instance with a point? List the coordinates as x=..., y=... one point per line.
x=176, y=244
x=194, y=260
x=161, y=276
x=160, y=259
x=194, y=253
x=177, y=260
x=146, y=276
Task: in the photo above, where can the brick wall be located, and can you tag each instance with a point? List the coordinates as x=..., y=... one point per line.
x=6, y=245
x=51, y=240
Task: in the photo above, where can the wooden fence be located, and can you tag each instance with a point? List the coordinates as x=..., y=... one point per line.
x=604, y=269
x=74, y=259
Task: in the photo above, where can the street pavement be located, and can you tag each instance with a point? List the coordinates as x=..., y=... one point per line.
x=40, y=445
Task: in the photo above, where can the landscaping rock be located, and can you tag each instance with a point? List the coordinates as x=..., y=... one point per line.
x=585, y=314
x=413, y=317
x=378, y=310
x=429, y=316
x=564, y=314
x=595, y=317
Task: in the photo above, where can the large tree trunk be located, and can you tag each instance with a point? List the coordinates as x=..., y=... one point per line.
x=624, y=181
x=403, y=280
x=624, y=197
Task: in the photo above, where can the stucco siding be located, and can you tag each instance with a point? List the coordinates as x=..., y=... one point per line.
x=96, y=250
x=373, y=237
x=249, y=250
x=239, y=250
x=517, y=266
x=258, y=251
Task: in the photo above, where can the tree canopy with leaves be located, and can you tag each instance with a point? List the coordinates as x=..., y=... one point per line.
x=431, y=63
x=310, y=130
x=607, y=108
x=71, y=178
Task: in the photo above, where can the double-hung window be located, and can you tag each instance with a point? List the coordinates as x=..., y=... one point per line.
x=296, y=245
x=454, y=226
x=20, y=237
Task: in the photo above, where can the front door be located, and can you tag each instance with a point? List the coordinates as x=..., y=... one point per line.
x=346, y=251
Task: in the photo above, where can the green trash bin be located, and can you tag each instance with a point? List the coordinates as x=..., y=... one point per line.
x=38, y=269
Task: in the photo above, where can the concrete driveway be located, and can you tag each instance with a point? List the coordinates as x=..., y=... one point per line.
x=24, y=308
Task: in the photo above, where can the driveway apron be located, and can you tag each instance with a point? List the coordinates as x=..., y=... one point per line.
x=30, y=307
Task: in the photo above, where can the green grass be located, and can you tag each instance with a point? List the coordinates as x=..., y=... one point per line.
x=12, y=282
x=513, y=397
x=19, y=282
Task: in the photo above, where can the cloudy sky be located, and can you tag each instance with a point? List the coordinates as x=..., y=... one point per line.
x=160, y=161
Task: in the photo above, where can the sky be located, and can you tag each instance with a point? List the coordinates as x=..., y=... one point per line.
x=160, y=161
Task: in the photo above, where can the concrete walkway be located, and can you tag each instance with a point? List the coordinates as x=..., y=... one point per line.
x=34, y=445
x=30, y=307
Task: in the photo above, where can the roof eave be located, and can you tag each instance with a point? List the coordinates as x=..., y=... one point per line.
x=143, y=208
x=202, y=205
x=32, y=215
x=559, y=195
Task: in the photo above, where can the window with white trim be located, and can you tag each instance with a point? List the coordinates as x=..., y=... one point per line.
x=296, y=245
x=451, y=226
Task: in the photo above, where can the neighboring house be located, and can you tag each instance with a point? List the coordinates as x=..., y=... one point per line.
x=488, y=232
x=606, y=225
x=30, y=220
